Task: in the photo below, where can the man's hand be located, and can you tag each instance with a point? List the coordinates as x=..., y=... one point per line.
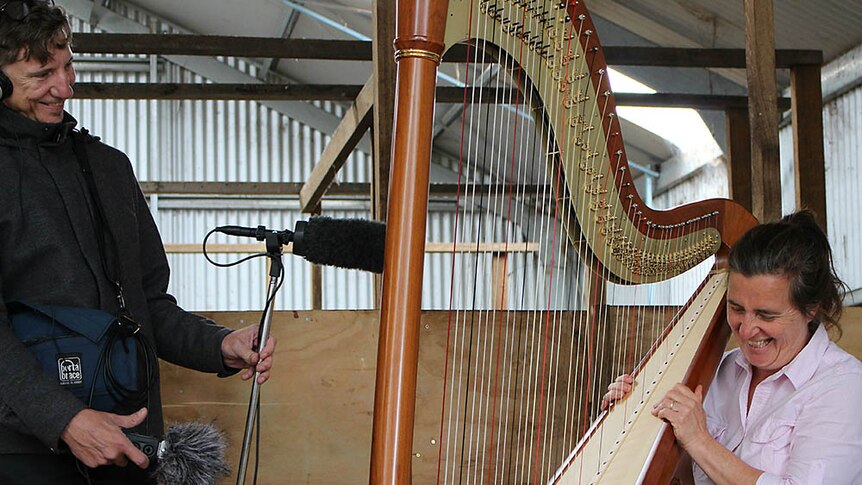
x=238, y=352
x=96, y=438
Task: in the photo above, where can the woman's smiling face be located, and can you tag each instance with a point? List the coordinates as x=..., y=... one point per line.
x=769, y=329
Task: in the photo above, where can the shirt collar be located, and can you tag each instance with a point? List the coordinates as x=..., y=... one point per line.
x=802, y=367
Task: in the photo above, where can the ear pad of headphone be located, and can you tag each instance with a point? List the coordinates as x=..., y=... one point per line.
x=5, y=86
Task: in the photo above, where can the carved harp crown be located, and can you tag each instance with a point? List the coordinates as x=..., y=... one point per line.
x=560, y=181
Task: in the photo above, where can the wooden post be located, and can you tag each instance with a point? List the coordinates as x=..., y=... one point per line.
x=383, y=61
x=810, y=164
x=499, y=263
x=316, y=279
x=739, y=156
x=763, y=109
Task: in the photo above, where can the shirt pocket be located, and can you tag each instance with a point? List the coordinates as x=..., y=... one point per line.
x=775, y=440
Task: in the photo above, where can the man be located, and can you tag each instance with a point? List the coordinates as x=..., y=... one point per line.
x=53, y=251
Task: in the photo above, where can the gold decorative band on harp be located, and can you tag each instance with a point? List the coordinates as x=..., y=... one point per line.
x=420, y=53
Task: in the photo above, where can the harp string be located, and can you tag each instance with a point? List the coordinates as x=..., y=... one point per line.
x=506, y=418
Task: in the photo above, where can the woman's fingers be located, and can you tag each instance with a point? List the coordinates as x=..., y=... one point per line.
x=617, y=390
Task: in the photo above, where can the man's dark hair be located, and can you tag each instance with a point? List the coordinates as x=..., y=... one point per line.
x=797, y=248
x=45, y=27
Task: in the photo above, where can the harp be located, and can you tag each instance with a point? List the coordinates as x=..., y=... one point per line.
x=565, y=161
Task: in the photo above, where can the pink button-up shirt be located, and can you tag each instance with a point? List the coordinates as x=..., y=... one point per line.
x=804, y=425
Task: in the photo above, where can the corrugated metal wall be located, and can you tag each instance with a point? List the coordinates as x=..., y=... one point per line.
x=247, y=142
x=219, y=141
x=842, y=123
x=842, y=129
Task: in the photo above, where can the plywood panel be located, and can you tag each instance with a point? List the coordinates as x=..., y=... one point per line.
x=316, y=410
x=317, y=407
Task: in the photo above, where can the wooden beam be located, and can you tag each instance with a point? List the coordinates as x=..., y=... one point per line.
x=216, y=248
x=335, y=189
x=335, y=92
x=472, y=247
x=809, y=160
x=220, y=91
x=218, y=45
x=739, y=155
x=696, y=101
x=711, y=58
x=352, y=127
x=248, y=188
x=430, y=247
x=383, y=60
x=356, y=50
x=763, y=112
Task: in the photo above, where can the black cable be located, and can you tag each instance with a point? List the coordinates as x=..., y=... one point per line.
x=269, y=302
x=228, y=265
x=132, y=396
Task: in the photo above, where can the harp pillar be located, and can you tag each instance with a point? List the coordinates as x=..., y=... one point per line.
x=419, y=47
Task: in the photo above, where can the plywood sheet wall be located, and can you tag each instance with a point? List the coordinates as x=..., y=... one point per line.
x=317, y=408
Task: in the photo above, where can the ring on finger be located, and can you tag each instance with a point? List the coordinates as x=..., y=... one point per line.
x=672, y=403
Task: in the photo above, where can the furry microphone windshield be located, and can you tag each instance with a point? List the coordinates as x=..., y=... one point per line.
x=346, y=243
x=191, y=454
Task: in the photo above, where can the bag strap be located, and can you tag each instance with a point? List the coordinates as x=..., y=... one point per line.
x=103, y=229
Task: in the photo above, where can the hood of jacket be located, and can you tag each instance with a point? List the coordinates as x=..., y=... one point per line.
x=16, y=129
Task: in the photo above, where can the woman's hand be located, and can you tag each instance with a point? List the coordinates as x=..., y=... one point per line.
x=683, y=409
x=617, y=390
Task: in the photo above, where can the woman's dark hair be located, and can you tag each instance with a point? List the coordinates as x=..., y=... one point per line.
x=795, y=247
x=43, y=28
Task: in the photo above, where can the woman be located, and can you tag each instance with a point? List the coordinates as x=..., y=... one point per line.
x=783, y=407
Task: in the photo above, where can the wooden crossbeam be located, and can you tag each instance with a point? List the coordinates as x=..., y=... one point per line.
x=248, y=188
x=354, y=50
x=430, y=247
x=218, y=91
x=331, y=92
x=335, y=189
x=353, y=126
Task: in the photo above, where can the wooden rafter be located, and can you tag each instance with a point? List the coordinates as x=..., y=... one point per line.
x=353, y=126
x=331, y=92
x=357, y=50
x=293, y=189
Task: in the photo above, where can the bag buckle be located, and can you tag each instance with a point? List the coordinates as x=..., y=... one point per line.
x=126, y=325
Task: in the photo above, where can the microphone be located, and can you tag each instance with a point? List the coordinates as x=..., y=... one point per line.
x=191, y=454
x=258, y=233
x=345, y=243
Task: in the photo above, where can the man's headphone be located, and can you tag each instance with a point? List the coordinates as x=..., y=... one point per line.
x=5, y=85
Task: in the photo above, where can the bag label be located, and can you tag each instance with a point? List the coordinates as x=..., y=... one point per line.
x=70, y=369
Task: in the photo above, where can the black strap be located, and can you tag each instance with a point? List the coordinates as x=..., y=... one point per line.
x=103, y=229
x=126, y=325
